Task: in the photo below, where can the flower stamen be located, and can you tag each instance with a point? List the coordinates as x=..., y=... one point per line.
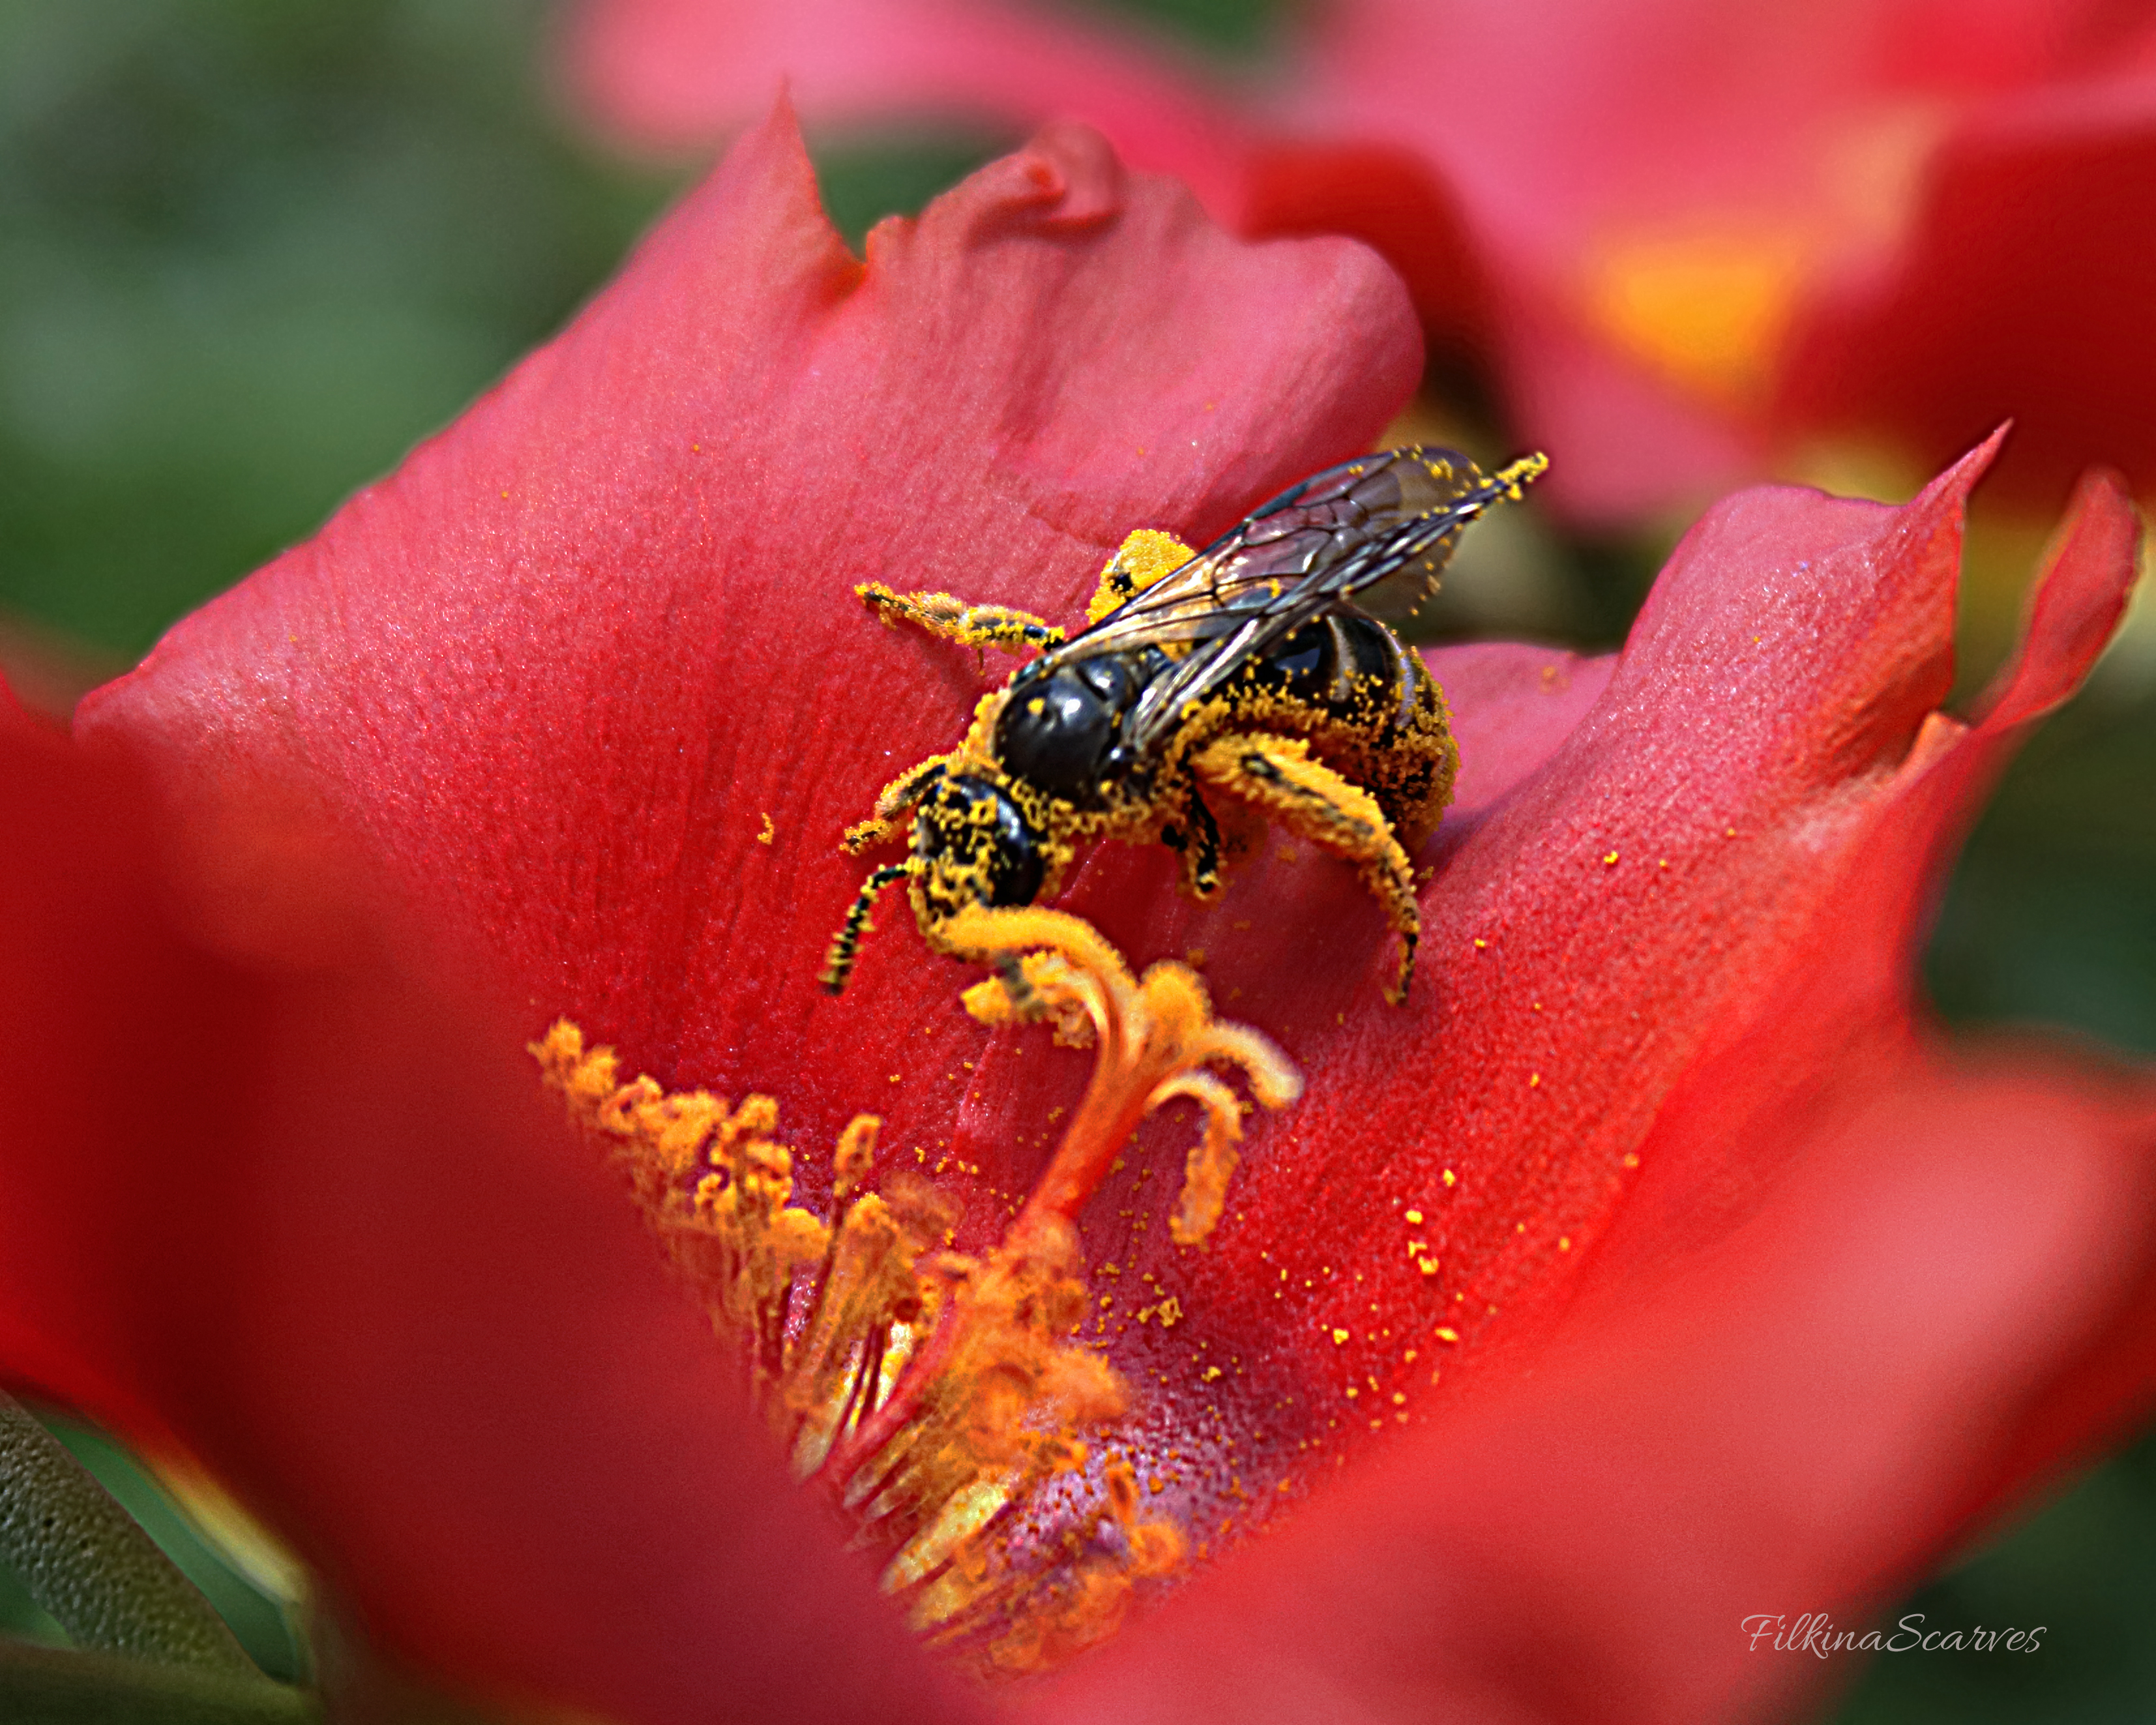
x=931, y=1394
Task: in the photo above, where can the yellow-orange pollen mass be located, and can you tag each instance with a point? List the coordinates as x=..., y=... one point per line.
x=930, y=1393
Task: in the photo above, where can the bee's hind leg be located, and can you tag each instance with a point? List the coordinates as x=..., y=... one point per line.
x=975, y=626
x=1277, y=776
x=1201, y=848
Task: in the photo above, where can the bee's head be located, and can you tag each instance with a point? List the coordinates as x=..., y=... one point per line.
x=977, y=846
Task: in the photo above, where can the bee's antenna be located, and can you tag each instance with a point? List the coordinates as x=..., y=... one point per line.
x=846, y=945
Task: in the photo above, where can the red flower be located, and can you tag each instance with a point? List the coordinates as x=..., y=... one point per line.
x=1653, y=1267
x=1692, y=244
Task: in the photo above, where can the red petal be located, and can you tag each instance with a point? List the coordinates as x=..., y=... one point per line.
x=1512, y=707
x=1697, y=914
x=558, y=669
x=2019, y=290
x=1797, y=1424
x=308, y=1228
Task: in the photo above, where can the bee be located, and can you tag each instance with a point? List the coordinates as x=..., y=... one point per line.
x=1209, y=693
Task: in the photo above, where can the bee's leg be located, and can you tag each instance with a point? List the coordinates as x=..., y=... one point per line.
x=901, y=794
x=1277, y=776
x=846, y=945
x=1141, y=559
x=1010, y=970
x=1201, y=858
x=975, y=626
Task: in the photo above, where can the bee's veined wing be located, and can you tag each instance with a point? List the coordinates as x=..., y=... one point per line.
x=1384, y=520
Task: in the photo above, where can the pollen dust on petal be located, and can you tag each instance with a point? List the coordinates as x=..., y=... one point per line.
x=931, y=1395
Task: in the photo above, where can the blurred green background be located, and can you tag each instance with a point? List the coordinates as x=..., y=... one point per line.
x=250, y=252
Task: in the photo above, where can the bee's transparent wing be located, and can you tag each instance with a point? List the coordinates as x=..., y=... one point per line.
x=1385, y=521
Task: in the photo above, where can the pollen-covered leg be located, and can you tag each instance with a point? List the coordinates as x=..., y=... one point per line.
x=1277, y=776
x=969, y=625
x=1141, y=559
x=846, y=944
x=1201, y=859
x=901, y=794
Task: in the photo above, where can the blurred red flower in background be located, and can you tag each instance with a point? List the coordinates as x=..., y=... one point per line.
x=1691, y=244
x=1657, y=1264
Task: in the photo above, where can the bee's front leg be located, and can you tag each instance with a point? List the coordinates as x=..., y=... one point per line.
x=1277, y=776
x=975, y=626
x=897, y=798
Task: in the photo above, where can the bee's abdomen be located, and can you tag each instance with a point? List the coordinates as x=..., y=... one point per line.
x=1350, y=666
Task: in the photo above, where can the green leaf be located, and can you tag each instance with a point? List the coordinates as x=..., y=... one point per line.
x=83, y=1559
x=63, y=1686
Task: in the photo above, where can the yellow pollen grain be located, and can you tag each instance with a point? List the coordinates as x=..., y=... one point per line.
x=1415, y=1217
x=1399, y=1399
x=1564, y=1242
x=1428, y=1266
x=1479, y=944
x=769, y=834
x=1534, y=1079
x=1630, y=1160
x=1609, y=858
x=1446, y=1334
x=1340, y=1339
x=1353, y=1392
x=1449, y=1178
